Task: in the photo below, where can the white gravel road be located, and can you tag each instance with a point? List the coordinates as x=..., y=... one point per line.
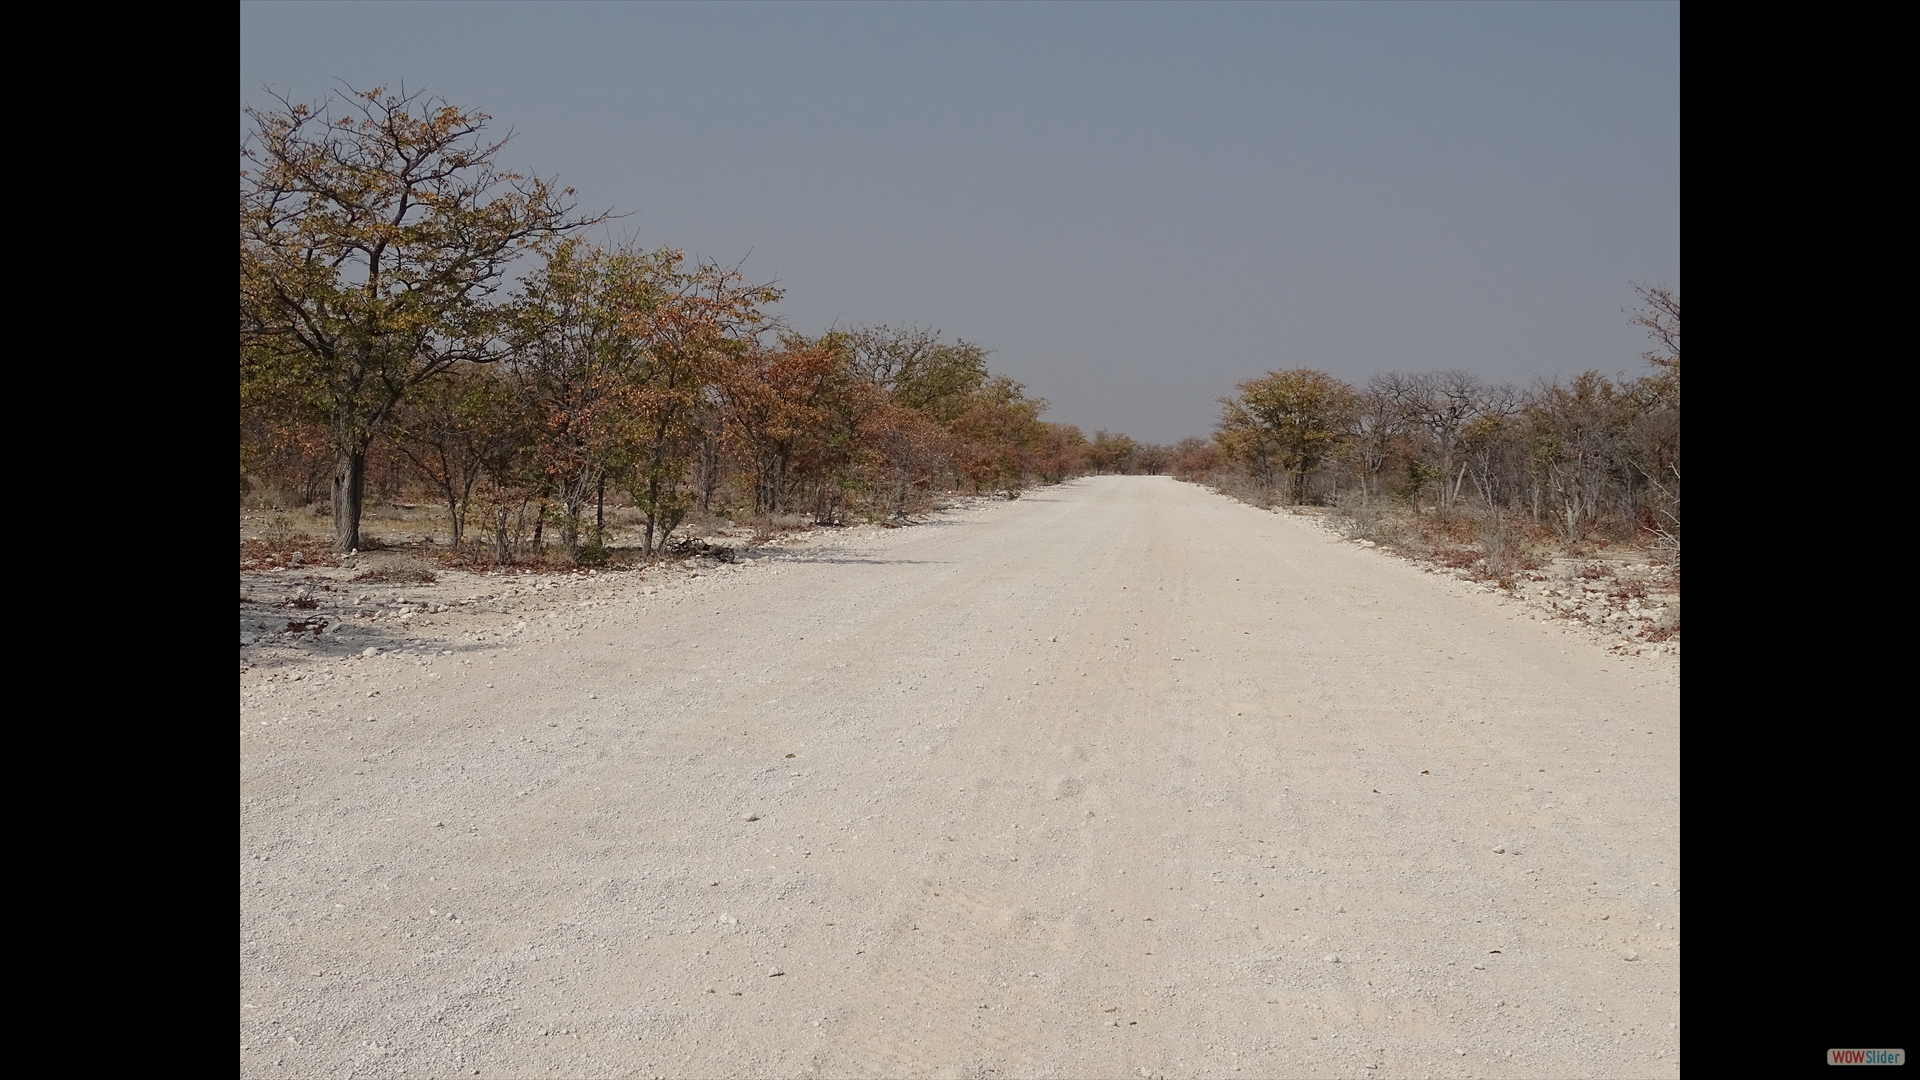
x=1118, y=779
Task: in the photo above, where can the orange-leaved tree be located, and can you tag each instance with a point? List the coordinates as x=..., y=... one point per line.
x=372, y=242
x=1001, y=435
x=781, y=407
x=700, y=325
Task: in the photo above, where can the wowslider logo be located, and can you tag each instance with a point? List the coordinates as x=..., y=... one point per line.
x=1866, y=1057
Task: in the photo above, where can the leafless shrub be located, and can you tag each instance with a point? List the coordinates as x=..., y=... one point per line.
x=1497, y=543
x=1360, y=517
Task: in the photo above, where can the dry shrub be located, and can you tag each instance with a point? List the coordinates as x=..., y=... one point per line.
x=1360, y=518
x=1236, y=486
x=770, y=527
x=1497, y=545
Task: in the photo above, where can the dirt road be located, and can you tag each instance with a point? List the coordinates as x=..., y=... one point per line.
x=1120, y=779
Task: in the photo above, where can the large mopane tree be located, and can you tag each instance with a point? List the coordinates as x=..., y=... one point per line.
x=375, y=231
x=1286, y=423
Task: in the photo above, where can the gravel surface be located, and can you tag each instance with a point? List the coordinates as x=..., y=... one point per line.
x=1118, y=779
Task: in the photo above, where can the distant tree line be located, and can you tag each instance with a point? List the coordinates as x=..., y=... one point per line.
x=1593, y=456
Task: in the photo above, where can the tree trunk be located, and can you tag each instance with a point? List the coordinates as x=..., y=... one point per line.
x=600, y=514
x=453, y=510
x=466, y=505
x=572, y=497
x=349, y=492
x=502, y=551
x=709, y=470
x=653, y=506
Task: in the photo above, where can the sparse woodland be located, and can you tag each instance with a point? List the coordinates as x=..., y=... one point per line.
x=1480, y=476
x=418, y=323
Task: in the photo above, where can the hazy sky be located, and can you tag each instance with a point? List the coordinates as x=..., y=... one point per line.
x=1135, y=206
